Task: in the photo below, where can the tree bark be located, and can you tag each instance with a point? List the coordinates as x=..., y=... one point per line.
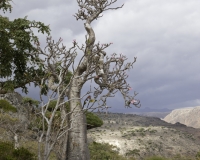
x=77, y=147
x=63, y=143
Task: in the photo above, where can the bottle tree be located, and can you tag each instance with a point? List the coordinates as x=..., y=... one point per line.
x=64, y=79
x=107, y=72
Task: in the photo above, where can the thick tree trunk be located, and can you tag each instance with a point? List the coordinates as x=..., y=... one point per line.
x=77, y=147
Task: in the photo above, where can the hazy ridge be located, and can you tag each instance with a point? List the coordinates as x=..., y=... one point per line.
x=189, y=116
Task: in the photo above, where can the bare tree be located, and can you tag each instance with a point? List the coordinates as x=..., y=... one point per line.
x=55, y=84
x=107, y=72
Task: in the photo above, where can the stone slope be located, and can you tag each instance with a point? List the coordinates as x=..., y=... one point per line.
x=188, y=116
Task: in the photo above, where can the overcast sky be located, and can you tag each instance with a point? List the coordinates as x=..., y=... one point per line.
x=164, y=35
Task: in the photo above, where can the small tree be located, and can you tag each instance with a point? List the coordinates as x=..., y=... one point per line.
x=17, y=64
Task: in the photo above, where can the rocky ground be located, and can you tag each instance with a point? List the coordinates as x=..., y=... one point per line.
x=146, y=136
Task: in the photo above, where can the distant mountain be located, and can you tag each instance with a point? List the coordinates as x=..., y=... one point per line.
x=150, y=112
x=154, y=114
x=147, y=109
x=188, y=116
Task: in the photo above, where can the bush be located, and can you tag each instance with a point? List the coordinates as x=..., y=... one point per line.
x=52, y=105
x=6, y=106
x=93, y=120
x=134, y=152
x=198, y=156
x=7, y=152
x=30, y=101
x=23, y=154
x=103, y=151
x=155, y=158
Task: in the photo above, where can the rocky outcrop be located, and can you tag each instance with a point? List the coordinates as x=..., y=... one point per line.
x=188, y=116
x=14, y=98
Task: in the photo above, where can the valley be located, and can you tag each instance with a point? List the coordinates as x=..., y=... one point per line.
x=142, y=136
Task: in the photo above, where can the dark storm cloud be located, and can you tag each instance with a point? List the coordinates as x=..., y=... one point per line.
x=163, y=35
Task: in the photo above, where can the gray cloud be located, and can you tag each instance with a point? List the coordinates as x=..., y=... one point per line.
x=163, y=35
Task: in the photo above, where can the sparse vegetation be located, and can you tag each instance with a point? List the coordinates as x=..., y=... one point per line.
x=6, y=106
x=6, y=118
x=30, y=101
x=198, y=156
x=156, y=158
x=7, y=152
x=134, y=152
x=104, y=151
x=92, y=120
x=129, y=133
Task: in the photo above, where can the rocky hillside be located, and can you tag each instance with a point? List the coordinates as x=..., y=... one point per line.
x=133, y=135
x=146, y=136
x=187, y=116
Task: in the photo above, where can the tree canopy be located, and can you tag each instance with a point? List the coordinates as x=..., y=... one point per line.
x=17, y=64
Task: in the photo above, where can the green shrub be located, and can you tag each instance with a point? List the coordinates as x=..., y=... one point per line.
x=103, y=151
x=93, y=120
x=30, y=101
x=6, y=106
x=7, y=152
x=23, y=154
x=134, y=152
x=198, y=156
x=180, y=157
x=52, y=105
x=155, y=158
